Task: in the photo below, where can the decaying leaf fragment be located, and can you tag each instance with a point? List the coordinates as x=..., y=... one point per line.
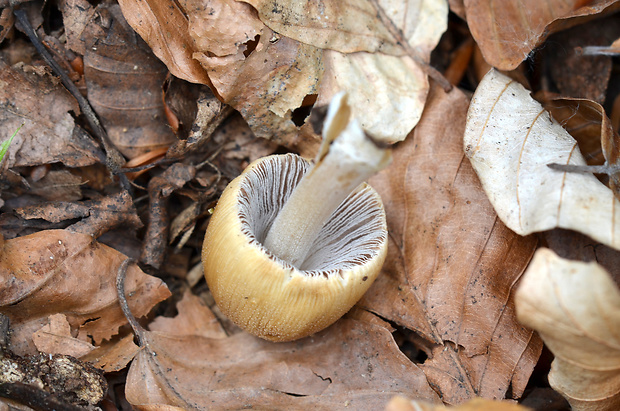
x=59, y=272
x=29, y=96
x=575, y=307
x=509, y=140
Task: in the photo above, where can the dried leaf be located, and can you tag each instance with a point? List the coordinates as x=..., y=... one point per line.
x=164, y=27
x=575, y=307
x=124, y=82
x=399, y=403
x=452, y=265
x=268, y=84
x=352, y=364
x=510, y=139
x=55, y=338
x=58, y=185
x=354, y=25
x=33, y=98
x=99, y=216
x=113, y=355
x=194, y=318
x=58, y=272
x=386, y=93
x=576, y=74
x=75, y=15
x=508, y=31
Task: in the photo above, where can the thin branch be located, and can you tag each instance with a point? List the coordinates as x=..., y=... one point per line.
x=578, y=168
x=122, y=300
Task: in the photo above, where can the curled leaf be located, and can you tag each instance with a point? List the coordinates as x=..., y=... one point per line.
x=575, y=307
x=510, y=139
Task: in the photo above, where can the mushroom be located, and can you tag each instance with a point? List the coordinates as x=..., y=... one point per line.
x=292, y=246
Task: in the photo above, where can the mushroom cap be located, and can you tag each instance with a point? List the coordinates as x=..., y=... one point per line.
x=269, y=297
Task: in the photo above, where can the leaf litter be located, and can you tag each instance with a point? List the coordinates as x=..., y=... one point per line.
x=446, y=297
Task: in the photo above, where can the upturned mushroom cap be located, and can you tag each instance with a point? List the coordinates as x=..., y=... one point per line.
x=269, y=297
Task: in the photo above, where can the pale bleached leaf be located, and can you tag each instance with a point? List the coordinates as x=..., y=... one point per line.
x=575, y=307
x=386, y=93
x=510, y=140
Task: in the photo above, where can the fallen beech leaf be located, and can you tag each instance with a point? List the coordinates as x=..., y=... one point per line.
x=164, y=27
x=75, y=15
x=583, y=119
x=575, y=307
x=113, y=355
x=400, y=403
x=588, y=123
x=510, y=139
x=452, y=265
x=507, y=32
x=31, y=97
x=58, y=272
x=354, y=25
x=55, y=338
x=351, y=364
x=58, y=185
x=194, y=318
x=124, y=81
x=268, y=84
x=386, y=93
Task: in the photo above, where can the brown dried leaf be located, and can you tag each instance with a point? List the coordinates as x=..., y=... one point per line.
x=574, y=73
x=575, y=307
x=113, y=355
x=75, y=15
x=55, y=338
x=194, y=318
x=354, y=25
x=58, y=272
x=352, y=364
x=452, y=265
x=508, y=31
x=99, y=216
x=58, y=185
x=30, y=96
x=124, y=81
x=399, y=403
x=268, y=84
x=588, y=123
x=164, y=27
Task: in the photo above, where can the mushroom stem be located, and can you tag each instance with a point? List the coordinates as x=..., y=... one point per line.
x=347, y=157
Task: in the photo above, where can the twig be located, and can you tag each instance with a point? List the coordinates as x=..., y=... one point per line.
x=122, y=300
x=577, y=168
x=398, y=35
